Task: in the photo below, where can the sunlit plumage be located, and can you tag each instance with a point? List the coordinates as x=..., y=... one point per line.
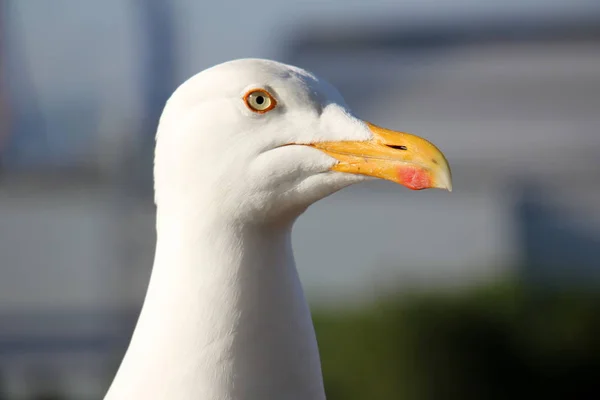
x=225, y=316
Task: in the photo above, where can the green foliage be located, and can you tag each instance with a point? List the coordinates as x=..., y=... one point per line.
x=496, y=342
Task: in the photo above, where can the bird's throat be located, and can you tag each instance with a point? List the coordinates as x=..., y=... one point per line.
x=224, y=317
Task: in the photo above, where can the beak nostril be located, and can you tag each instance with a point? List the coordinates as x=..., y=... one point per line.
x=397, y=147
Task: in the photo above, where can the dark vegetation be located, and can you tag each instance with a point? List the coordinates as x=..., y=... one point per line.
x=498, y=342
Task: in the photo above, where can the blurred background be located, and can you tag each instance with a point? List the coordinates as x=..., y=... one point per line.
x=491, y=292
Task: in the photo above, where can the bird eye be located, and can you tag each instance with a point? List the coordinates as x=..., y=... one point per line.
x=260, y=101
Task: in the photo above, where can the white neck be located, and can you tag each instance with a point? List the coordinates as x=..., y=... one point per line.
x=225, y=318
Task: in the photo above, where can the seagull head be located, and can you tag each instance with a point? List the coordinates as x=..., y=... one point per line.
x=257, y=140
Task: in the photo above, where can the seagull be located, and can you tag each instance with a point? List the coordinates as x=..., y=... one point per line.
x=242, y=150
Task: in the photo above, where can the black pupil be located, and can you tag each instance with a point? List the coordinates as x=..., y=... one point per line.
x=260, y=100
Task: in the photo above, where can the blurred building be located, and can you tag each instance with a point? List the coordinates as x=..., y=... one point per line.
x=514, y=107
x=513, y=104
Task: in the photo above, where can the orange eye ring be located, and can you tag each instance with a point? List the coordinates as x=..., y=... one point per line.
x=259, y=101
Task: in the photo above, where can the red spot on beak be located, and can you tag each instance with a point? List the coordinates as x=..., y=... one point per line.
x=414, y=178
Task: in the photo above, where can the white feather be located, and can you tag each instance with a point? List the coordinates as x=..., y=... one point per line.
x=225, y=317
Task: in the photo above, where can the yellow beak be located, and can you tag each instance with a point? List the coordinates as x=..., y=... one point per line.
x=396, y=156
